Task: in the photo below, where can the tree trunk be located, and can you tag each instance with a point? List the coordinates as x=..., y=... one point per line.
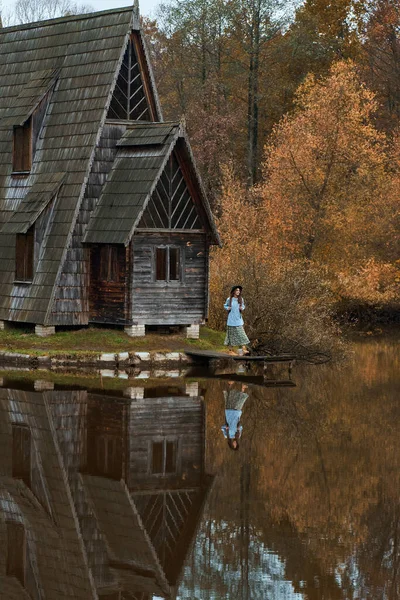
x=253, y=84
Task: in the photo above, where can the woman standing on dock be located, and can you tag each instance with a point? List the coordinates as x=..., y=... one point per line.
x=235, y=334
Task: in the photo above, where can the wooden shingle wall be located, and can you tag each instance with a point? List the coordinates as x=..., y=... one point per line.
x=152, y=419
x=87, y=50
x=71, y=303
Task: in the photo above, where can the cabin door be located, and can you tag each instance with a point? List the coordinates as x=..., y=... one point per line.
x=108, y=284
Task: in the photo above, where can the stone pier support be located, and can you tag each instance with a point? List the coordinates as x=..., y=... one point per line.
x=2, y=325
x=43, y=331
x=193, y=332
x=192, y=389
x=135, y=330
x=42, y=385
x=134, y=393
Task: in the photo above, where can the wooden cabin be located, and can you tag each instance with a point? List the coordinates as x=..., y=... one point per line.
x=103, y=215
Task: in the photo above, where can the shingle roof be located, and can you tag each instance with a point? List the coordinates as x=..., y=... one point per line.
x=86, y=49
x=54, y=544
x=41, y=193
x=31, y=94
x=128, y=544
x=130, y=183
x=143, y=153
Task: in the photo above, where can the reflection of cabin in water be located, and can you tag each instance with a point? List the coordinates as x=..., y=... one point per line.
x=81, y=467
x=41, y=552
x=103, y=216
x=166, y=478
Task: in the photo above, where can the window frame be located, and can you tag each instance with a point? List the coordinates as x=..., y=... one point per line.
x=27, y=273
x=22, y=453
x=165, y=443
x=180, y=269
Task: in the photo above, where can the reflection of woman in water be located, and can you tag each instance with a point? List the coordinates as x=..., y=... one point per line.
x=234, y=402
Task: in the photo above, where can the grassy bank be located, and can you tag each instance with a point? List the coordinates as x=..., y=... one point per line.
x=92, y=341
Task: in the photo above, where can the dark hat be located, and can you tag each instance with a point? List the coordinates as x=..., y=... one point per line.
x=235, y=287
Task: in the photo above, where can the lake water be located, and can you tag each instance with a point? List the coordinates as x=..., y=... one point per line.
x=136, y=494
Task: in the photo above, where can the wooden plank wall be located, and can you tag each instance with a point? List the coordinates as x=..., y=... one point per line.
x=152, y=419
x=175, y=303
x=71, y=304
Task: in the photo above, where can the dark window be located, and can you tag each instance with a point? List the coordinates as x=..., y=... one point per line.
x=161, y=264
x=174, y=264
x=16, y=551
x=22, y=151
x=170, y=457
x=109, y=267
x=157, y=457
x=24, y=252
x=164, y=457
x=168, y=264
x=21, y=453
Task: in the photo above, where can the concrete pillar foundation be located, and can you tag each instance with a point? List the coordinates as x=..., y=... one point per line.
x=192, y=389
x=43, y=331
x=193, y=332
x=135, y=330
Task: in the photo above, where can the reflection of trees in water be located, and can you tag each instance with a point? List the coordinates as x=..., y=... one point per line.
x=319, y=467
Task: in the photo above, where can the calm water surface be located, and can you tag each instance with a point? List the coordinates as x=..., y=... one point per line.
x=138, y=496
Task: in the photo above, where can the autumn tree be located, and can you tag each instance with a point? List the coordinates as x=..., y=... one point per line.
x=327, y=187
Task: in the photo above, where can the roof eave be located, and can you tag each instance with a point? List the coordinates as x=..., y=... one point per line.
x=215, y=240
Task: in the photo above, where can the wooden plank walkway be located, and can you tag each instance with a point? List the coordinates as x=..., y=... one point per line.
x=208, y=355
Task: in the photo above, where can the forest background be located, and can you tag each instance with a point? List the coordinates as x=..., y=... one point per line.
x=293, y=111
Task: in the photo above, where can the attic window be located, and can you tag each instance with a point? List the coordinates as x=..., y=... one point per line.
x=24, y=253
x=16, y=551
x=22, y=147
x=21, y=453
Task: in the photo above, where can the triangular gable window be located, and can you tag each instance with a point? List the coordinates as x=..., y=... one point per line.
x=130, y=99
x=171, y=205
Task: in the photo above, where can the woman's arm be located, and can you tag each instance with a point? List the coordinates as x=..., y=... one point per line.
x=226, y=305
x=242, y=306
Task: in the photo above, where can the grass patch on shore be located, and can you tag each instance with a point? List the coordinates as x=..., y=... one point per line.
x=90, y=341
